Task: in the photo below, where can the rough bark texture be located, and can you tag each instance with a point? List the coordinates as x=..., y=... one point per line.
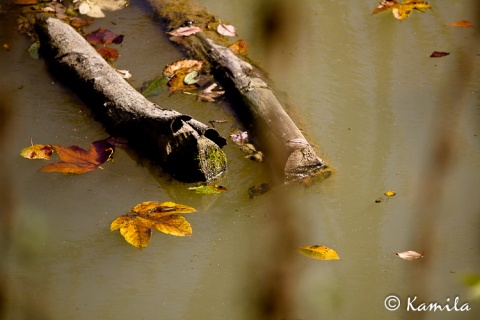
x=188, y=149
x=273, y=125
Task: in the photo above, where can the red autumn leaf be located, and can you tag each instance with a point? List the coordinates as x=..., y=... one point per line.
x=104, y=36
x=461, y=23
x=109, y=54
x=77, y=160
x=439, y=54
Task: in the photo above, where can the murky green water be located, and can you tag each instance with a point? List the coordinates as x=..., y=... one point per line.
x=366, y=93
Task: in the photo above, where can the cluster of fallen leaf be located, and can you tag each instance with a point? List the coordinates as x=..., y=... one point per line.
x=101, y=38
x=402, y=10
x=184, y=76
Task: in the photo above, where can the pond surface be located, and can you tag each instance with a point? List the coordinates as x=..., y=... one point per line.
x=366, y=93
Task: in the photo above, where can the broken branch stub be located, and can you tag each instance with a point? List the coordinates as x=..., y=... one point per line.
x=181, y=144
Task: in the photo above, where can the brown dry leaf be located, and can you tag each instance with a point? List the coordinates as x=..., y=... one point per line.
x=461, y=23
x=439, y=54
x=238, y=47
x=226, y=30
x=319, y=252
x=136, y=226
x=37, y=151
x=409, y=255
x=185, y=31
x=109, y=54
x=190, y=65
x=76, y=160
x=208, y=95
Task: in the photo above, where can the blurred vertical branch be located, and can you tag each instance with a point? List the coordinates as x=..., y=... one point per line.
x=438, y=164
x=279, y=276
x=6, y=214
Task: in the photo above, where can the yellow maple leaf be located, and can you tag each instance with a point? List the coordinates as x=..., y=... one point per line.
x=37, y=151
x=402, y=10
x=136, y=226
x=319, y=252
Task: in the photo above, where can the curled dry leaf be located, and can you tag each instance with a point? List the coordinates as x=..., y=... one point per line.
x=208, y=95
x=439, y=54
x=319, y=252
x=37, y=151
x=409, y=255
x=461, y=23
x=238, y=47
x=185, y=31
x=226, y=30
x=210, y=189
x=136, y=226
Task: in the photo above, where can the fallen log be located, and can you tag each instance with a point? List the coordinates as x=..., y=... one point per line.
x=185, y=147
x=276, y=129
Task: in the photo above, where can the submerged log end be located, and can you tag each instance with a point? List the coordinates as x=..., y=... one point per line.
x=303, y=163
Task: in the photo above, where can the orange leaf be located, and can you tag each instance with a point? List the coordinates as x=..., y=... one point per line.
x=110, y=54
x=461, y=23
x=239, y=47
x=77, y=161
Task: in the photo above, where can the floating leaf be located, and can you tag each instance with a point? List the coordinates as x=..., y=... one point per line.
x=93, y=8
x=191, y=78
x=207, y=190
x=154, y=87
x=401, y=11
x=34, y=49
x=256, y=191
x=439, y=54
x=136, y=226
x=185, y=31
x=76, y=160
x=104, y=36
x=124, y=73
x=240, y=138
x=238, y=47
x=319, y=252
x=390, y=193
x=37, y=151
x=461, y=23
x=409, y=255
x=109, y=54
x=190, y=65
x=226, y=30
x=208, y=95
